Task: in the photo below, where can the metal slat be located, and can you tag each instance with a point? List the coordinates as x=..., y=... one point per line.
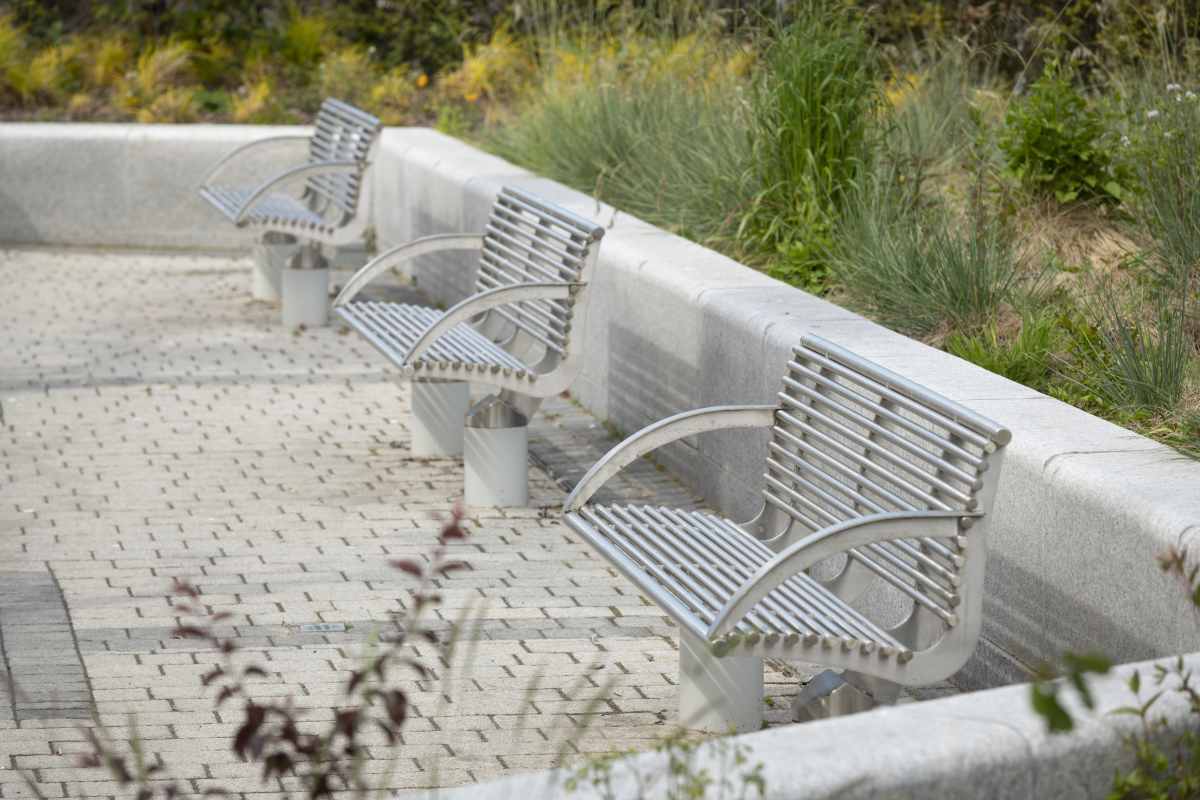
x=685, y=548
x=859, y=419
x=883, y=474
x=527, y=202
x=651, y=586
x=735, y=547
x=511, y=230
x=816, y=608
x=902, y=400
x=705, y=605
x=839, y=467
x=947, y=616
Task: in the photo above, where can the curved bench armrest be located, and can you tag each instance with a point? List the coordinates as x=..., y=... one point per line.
x=256, y=144
x=830, y=542
x=405, y=252
x=295, y=173
x=665, y=431
x=478, y=303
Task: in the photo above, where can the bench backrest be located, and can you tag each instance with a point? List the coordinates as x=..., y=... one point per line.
x=852, y=439
x=342, y=133
x=528, y=240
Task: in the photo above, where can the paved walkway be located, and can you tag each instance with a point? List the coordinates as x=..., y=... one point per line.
x=157, y=424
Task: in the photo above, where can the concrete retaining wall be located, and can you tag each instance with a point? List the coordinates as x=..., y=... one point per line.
x=983, y=745
x=1084, y=506
x=124, y=185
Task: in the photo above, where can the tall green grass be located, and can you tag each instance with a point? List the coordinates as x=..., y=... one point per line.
x=758, y=168
x=671, y=154
x=919, y=269
x=813, y=110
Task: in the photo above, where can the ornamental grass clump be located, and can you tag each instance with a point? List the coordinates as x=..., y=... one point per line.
x=813, y=113
x=922, y=270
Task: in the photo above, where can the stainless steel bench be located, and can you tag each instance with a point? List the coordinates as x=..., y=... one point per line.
x=328, y=209
x=868, y=477
x=521, y=332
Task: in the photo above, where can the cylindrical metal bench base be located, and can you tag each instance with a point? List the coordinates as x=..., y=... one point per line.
x=438, y=411
x=271, y=255
x=718, y=695
x=305, y=298
x=496, y=466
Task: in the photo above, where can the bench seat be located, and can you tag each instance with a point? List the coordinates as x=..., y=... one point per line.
x=276, y=211
x=393, y=329
x=692, y=562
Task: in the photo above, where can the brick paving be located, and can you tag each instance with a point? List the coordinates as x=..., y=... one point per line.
x=155, y=423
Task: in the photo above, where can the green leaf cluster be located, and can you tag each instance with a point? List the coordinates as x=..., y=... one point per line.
x=1056, y=144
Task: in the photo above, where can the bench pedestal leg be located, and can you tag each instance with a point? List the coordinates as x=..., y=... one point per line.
x=438, y=411
x=495, y=455
x=271, y=255
x=718, y=695
x=306, y=289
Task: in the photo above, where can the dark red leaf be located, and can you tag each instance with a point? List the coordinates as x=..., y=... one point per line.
x=221, y=616
x=257, y=672
x=190, y=632
x=184, y=588
x=116, y=765
x=451, y=566
x=225, y=693
x=388, y=733
x=408, y=565
x=356, y=678
x=346, y=722
x=255, y=716
x=276, y=764
x=396, y=703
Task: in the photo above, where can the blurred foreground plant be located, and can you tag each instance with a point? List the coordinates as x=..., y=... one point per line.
x=272, y=734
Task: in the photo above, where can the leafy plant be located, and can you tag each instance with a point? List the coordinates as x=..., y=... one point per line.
x=1166, y=761
x=1055, y=143
x=14, y=68
x=348, y=74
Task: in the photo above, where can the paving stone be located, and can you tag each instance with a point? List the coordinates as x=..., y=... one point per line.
x=155, y=424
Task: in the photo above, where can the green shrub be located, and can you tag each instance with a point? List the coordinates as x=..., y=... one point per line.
x=1056, y=145
x=14, y=66
x=305, y=40
x=348, y=74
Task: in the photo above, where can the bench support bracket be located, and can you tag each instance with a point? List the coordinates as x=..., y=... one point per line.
x=438, y=411
x=833, y=694
x=718, y=695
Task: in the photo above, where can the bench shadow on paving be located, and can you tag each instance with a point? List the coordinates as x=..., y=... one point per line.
x=157, y=424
